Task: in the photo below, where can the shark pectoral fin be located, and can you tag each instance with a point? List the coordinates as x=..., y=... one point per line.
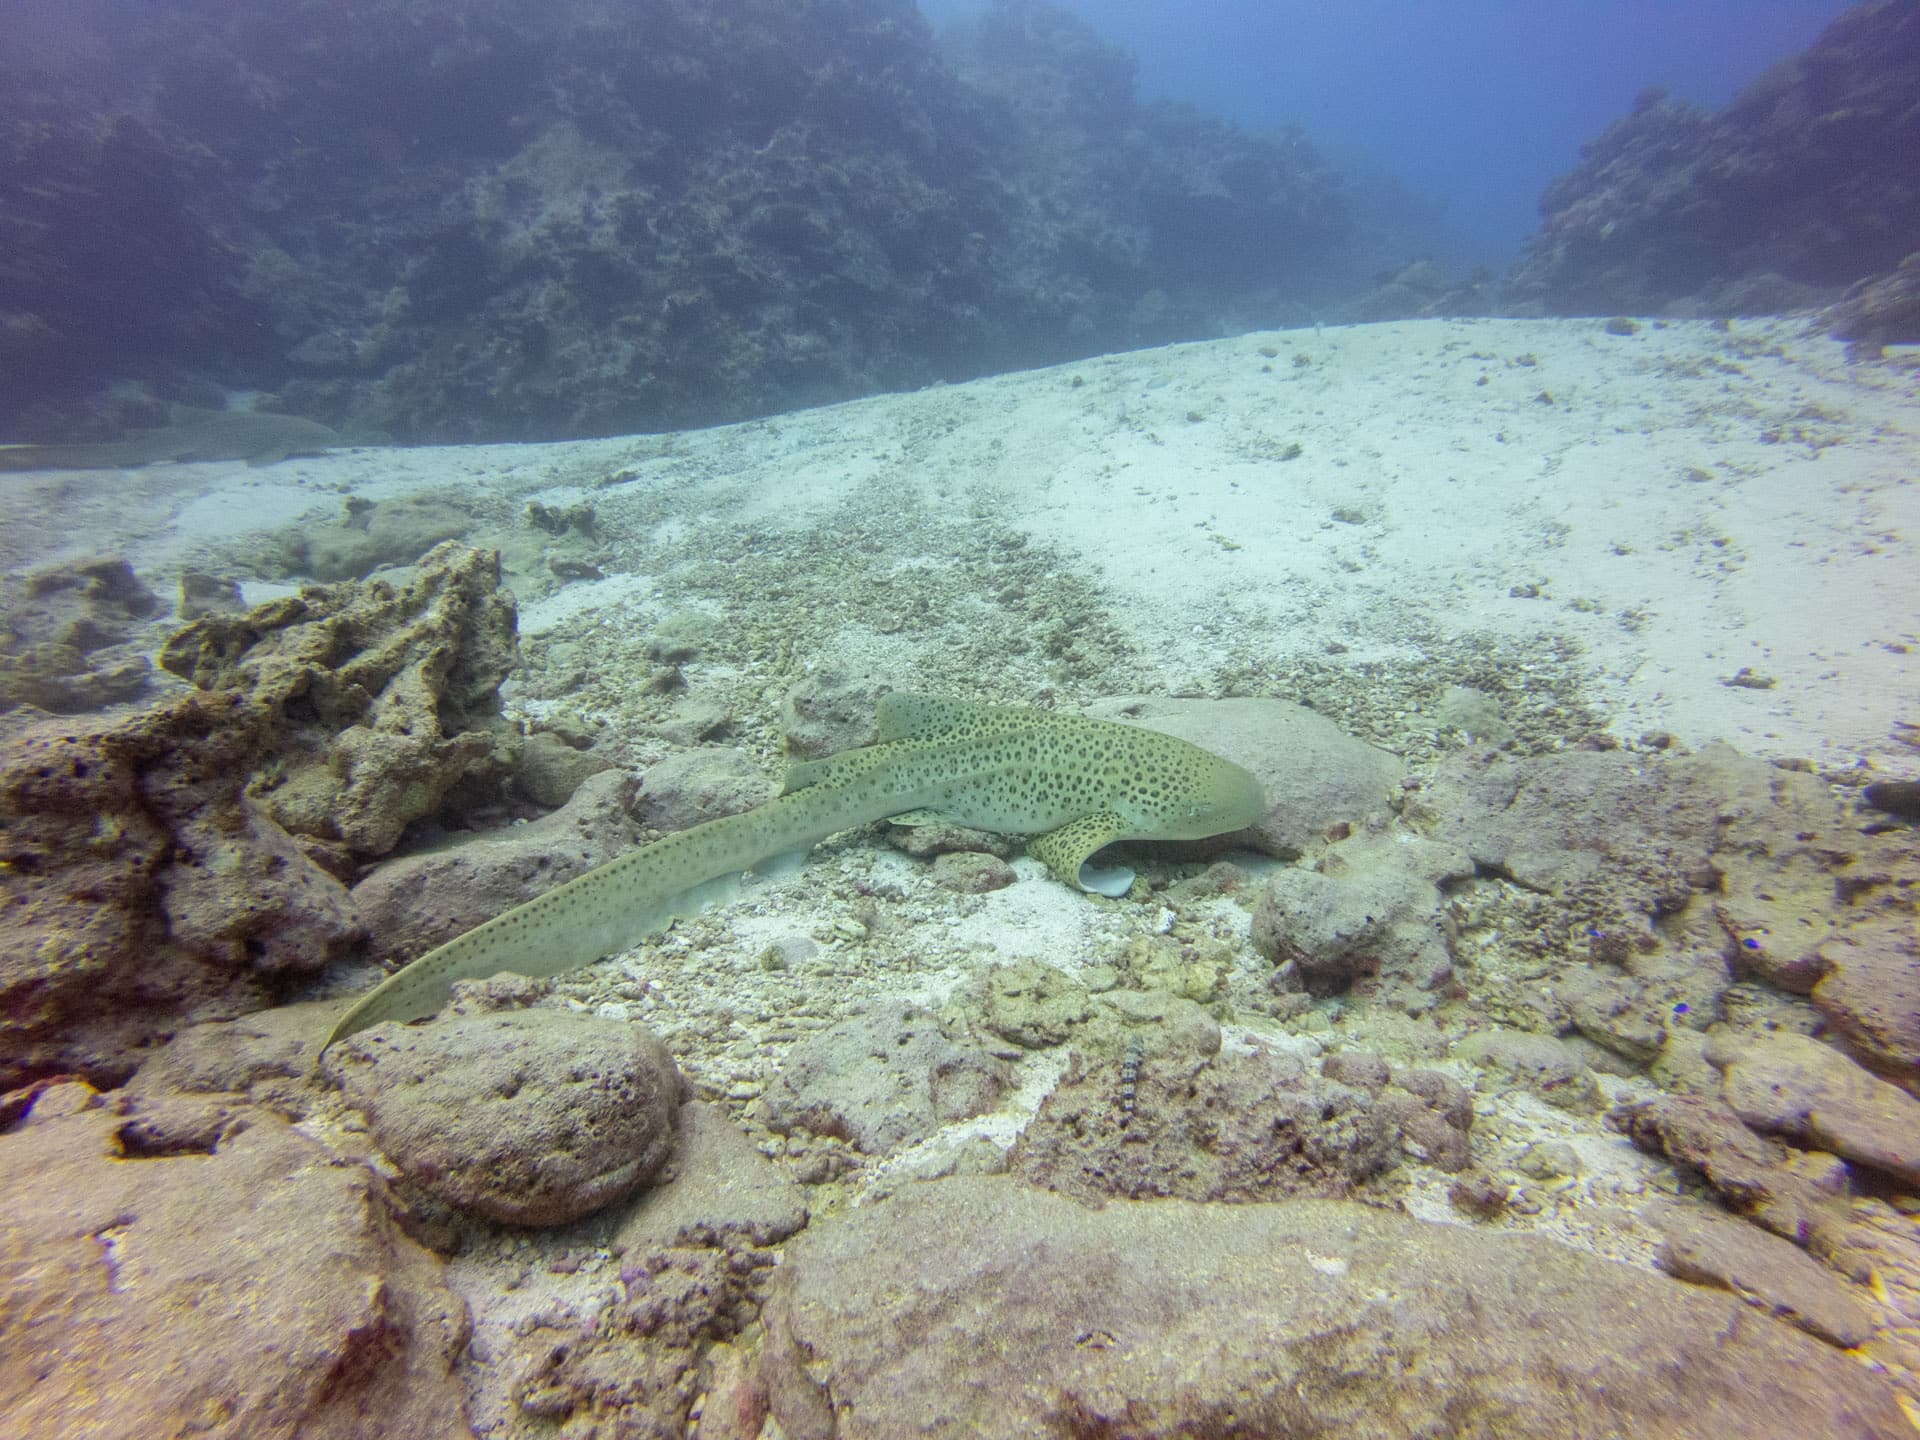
x=1065, y=852
x=783, y=866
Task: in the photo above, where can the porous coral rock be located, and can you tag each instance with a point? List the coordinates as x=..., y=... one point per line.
x=142, y=888
x=150, y=876
x=386, y=693
x=532, y=1117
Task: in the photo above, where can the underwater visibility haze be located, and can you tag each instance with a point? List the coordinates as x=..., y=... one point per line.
x=832, y=719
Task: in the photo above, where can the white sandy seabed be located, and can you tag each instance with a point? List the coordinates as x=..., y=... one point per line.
x=1684, y=504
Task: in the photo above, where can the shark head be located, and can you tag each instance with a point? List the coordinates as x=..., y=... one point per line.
x=1213, y=796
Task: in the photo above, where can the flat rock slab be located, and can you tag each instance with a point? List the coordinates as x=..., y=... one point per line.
x=1814, y=1094
x=972, y=1307
x=1870, y=991
x=883, y=1079
x=262, y=1291
x=1764, y=1270
x=530, y=1117
x=723, y=1192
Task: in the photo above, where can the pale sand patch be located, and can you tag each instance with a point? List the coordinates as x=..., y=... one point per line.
x=1691, y=502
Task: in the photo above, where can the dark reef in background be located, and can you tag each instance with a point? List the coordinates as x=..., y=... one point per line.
x=1808, y=182
x=542, y=218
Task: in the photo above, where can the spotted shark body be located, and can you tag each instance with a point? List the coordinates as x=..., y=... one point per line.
x=1074, y=783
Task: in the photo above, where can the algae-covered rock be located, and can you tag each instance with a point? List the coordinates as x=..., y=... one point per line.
x=1229, y=1127
x=386, y=693
x=1030, y=1004
x=548, y=769
x=142, y=888
x=532, y=1117
x=829, y=711
x=65, y=634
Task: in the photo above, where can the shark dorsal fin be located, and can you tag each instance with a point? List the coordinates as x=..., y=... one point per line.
x=902, y=715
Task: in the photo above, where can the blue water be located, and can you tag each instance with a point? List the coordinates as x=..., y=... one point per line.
x=1478, y=103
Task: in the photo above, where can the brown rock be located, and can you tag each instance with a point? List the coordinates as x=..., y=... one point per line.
x=1613, y=1011
x=1030, y=1314
x=1751, y=1173
x=1797, y=1087
x=1366, y=916
x=383, y=696
x=263, y=1290
x=415, y=902
x=141, y=889
x=1870, y=992
x=532, y=1117
x=1767, y=1272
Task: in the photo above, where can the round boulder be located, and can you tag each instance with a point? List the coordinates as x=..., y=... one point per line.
x=528, y=1117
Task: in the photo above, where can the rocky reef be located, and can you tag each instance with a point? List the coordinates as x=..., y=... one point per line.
x=188, y=860
x=1169, y=1159
x=1800, y=187
x=535, y=220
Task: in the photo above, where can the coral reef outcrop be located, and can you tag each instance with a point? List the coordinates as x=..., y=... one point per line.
x=532, y=219
x=1803, y=185
x=184, y=861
